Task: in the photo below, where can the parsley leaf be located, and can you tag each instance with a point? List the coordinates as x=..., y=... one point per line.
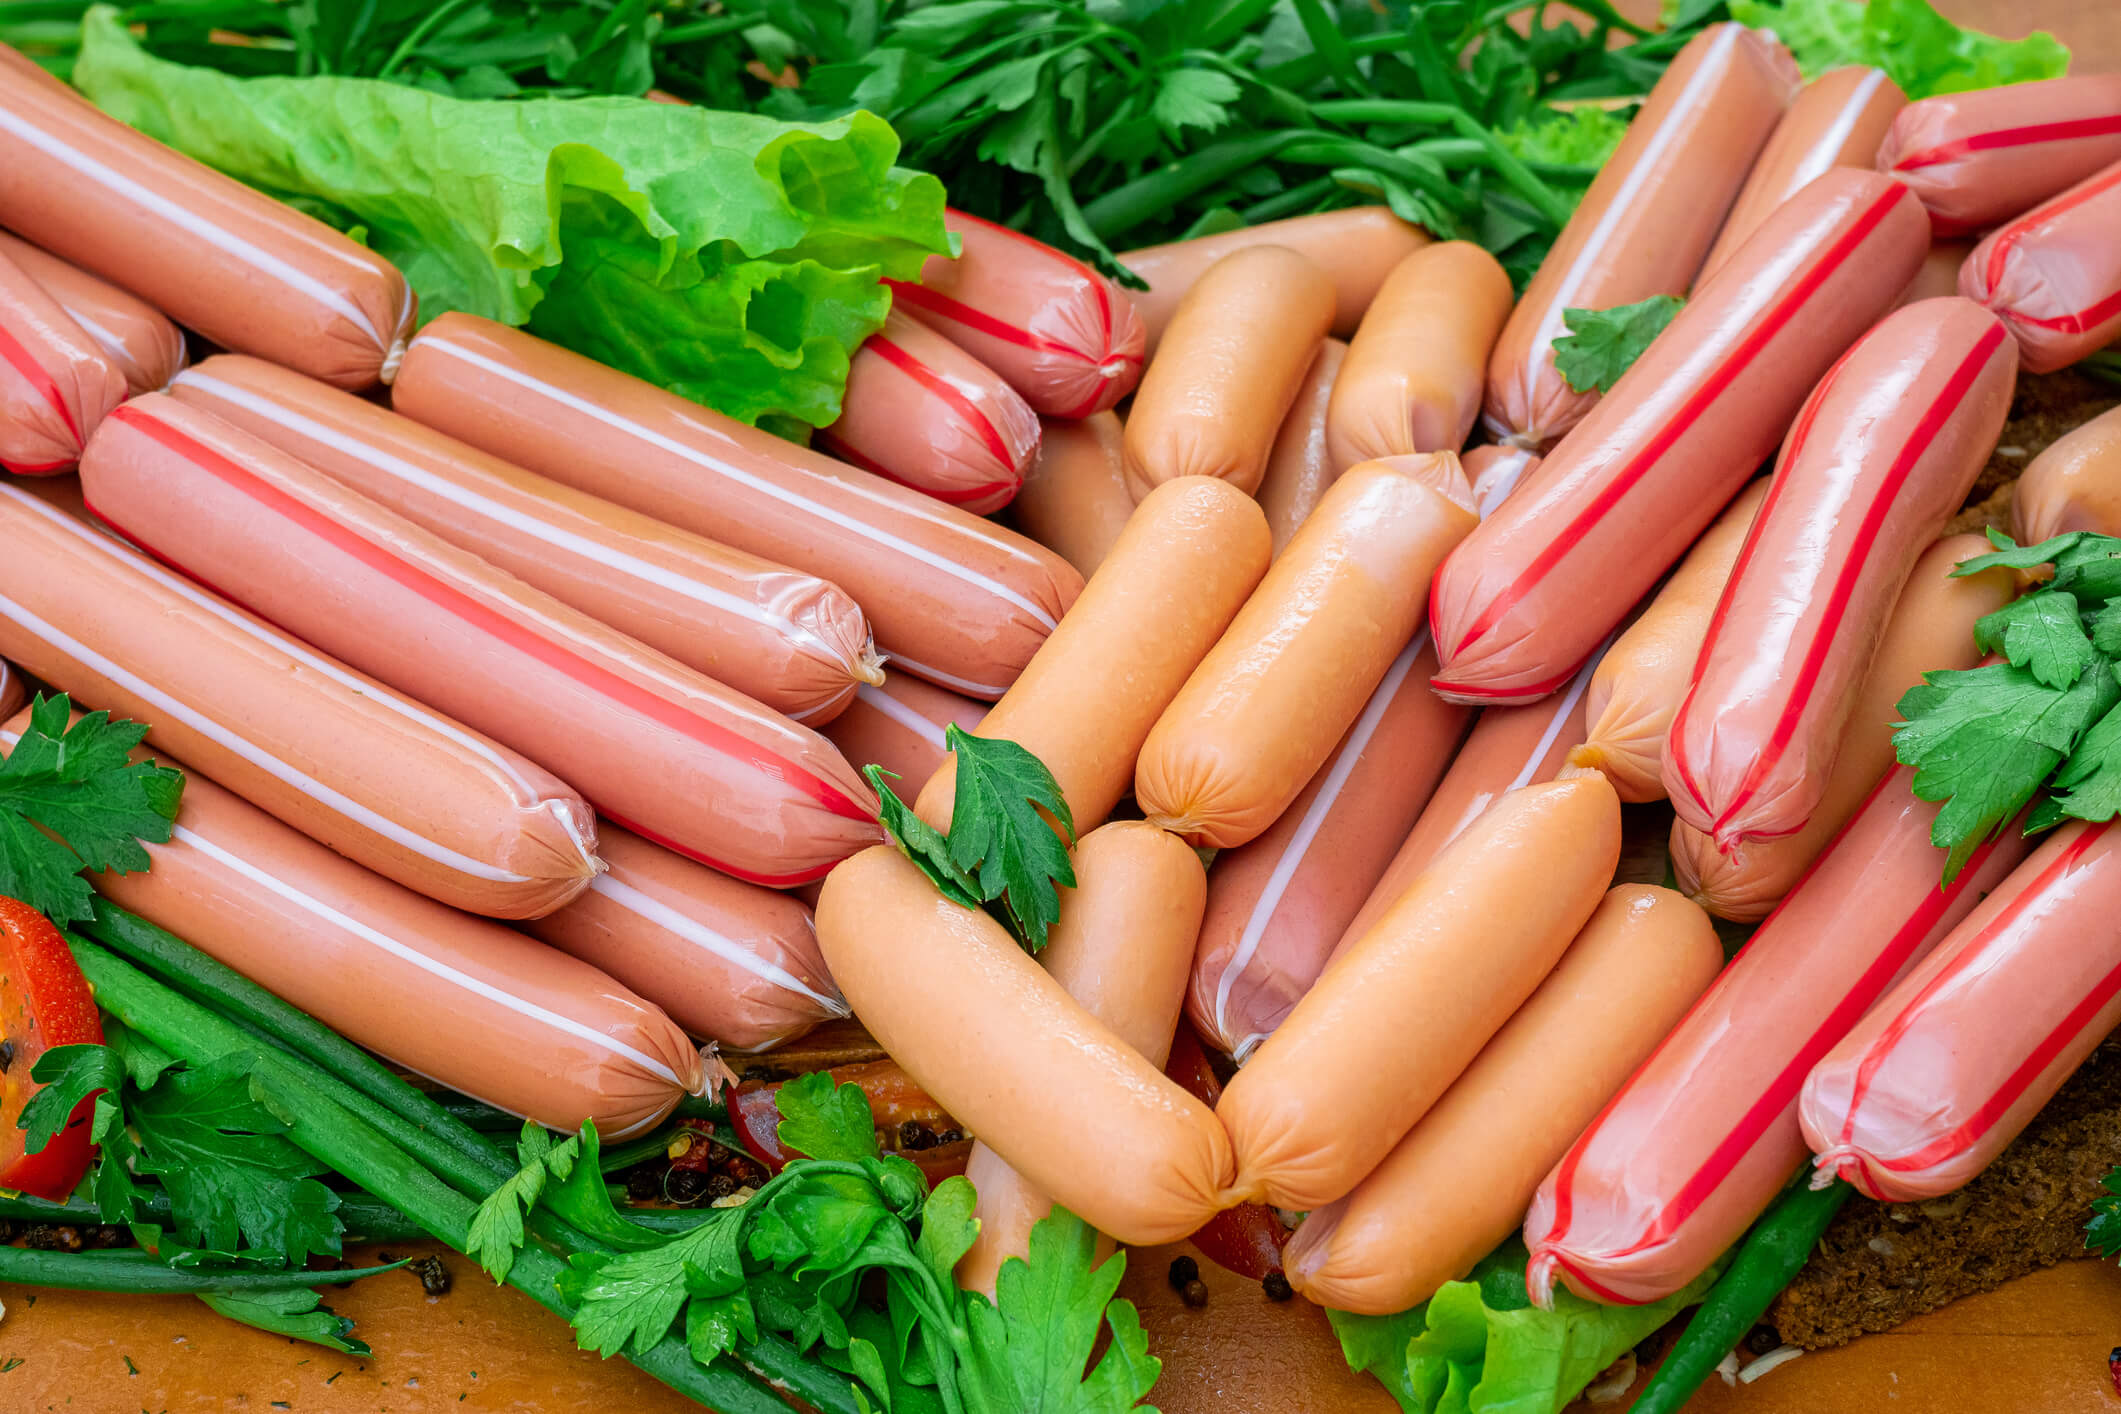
x=1030, y=1348
x=2090, y=569
x=69, y=1075
x=497, y=1227
x=921, y=842
x=2009, y=554
x=1002, y=830
x=297, y=1313
x=822, y=1120
x=1602, y=344
x=1195, y=98
x=2042, y=632
x=2088, y=786
x=2102, y=1235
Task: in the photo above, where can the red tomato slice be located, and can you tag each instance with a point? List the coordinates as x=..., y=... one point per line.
x=1246, y=1239
x=893, y=1100
x=44, y=1002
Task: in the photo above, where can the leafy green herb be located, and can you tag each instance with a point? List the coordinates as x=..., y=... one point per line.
x=80, y=783
x=299, y=1314
x=497, y=1228
x=1602, y=344
x=1038, y=1335
x=822, y=1120
x=2043, y=633
x=921, y=842
x=2102, y=1235
x=1923, y=52
x=69, y=1075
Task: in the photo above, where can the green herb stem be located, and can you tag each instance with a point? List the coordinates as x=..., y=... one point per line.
x=365, y=1218
x=1147, y=197
x=136, y=1273
x=1506, y=164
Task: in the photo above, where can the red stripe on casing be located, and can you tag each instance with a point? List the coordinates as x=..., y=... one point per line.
x=42, y=384
x=952, y=396
x=2007, y=237
x=2065, y=131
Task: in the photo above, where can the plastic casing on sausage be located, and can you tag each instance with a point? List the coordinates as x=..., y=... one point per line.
x=248, y=272
x=952, y=598
x=1882, y=455
x=147, y=349
x=1074, y=500
x=56, y=382
x=793, y=641
x=1704, y=1135
x=1495, y=471
x=1277, y=906
x=1261, y=713
x=921, y=411
x=380, y=778
x=1647, y=220
x=1931, y=630
x=1553, y=569
x=2054, y=275
x=729, y=961
x=1300, y=467
x=13, y=690
x=2074, y=485
x=1959, y=1057
x=980, y=1026
x=1981, y=157
x=667, y=753
x=898, y=724
x=1838, y=120
x=1054, y=328
x=1357, y=246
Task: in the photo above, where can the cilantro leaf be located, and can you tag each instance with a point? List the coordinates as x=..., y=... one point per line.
x=1195, y=98
x=1602, y=344
x=497, y=1227
x=2088, y=785
x=1031, y=1347
x=921, y=842
x=298, y=1313
x=1002, y=830
x=2042, y=632
x=69, y=1075
x=822, y=1120
x=2102, y=1235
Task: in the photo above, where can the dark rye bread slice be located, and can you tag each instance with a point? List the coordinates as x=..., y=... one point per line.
x=1883, y=1263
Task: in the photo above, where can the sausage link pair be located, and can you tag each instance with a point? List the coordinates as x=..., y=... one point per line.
x=669, y=753
x=1262, y=711
x=1981, y=157
x=921, y=411
x=1300, y=467
x=56, y=382
x=1120, y=949
x=146, y=348
x=1705, y=1134
x=1931, y=630
x=898, y=724
x=1559, y=563
x=1277, y=906
x=1495, y=471
x=1647, y=220
x=1457, y=1185
x=1358, y=247
x=342, y=758
x=1404, y=1009
x=979, y=1025
x=2054, y=275
x=248, y=272
x=793, y=641
x=2074, y=485
x=1948, y=1069
x=952, y=598
x=1882, y=455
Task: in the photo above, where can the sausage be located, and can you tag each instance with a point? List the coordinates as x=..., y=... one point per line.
x=1228, y=370
x=1413, y=379
x=1932, y=629
x=1456, y=1187
x=1936, y=1079
x=56, y=383
x=1405, y=1008
x=1555, y=567
x=1300, y=466
x=952, y=598
x=1882, y=455
x=1049, y=324
x=1939, y=275
x=246, y=271
x=1495, y=471
x=1261, y=713
x=1120, y=949
x=13, y=690
x=669, y=753
x=1277, y=906
x=1704, y=1135
x=921, y=411
x=980, y=1025
x=1838, y=120
x=342, y=758
x=461, y=1000
x=1357, y=246
x=2054, y=274
x=2074, y=485
x=1643, y=676
x=729, y=961
x=1647, y=220
x=1508, y=749
x=1977, y=159
x=1085, y=705
x=146, y=348
x=792, y=640
x=898, y=724
x=1074, y=500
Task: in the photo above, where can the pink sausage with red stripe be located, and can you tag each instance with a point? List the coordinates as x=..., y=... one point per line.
x=1052, y=326
x=1705, y=1134
x=668, y=753
x=1524, y=598
x=56, y=382
x=1949, y=1068
x=921, y=411
x=2054, y=275
x=1981, y=157
x=1882, y=456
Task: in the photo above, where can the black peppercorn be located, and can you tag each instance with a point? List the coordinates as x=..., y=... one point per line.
x=1763, y=1338
x=913, y=1136
x=1183, y=1270
x=1194, y=1293
x=685, y=1186
x=52, y=1237
x=1276, y=1286
x=434, y=1277
x=644, y=1183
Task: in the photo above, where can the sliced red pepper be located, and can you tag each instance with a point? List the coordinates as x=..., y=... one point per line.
x=893, y=1100
x=44, y=1002
x=1248, y=1238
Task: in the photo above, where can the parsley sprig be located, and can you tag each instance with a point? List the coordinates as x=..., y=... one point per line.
x=1602, y=344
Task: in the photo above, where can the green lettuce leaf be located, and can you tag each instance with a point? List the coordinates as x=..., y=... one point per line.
x=1924, y=52
x=728, y=257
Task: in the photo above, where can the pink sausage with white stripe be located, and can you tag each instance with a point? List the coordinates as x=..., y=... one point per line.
x=1981, y=157
x=898, y=724
x=2054, y=275
x=921, y=411
x=1526, y=596
x=56, y=382
x=1882, y=456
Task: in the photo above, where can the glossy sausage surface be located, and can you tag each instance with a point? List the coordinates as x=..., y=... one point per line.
x=56, y=382
x=147, y=349
x=1074, y=500
x=1981, y=157
x=1495, y=471
x=13, y=690
x=2074, y=485
x=1301, y=465
x=898, y=724
x=2054, y=275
